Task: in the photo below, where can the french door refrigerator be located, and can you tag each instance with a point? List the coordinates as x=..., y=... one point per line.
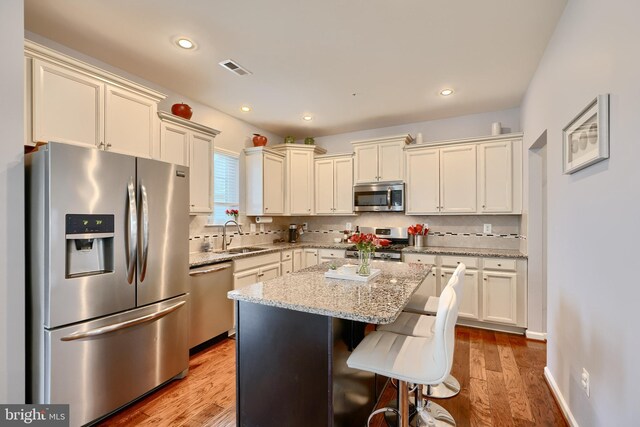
x=107, y=272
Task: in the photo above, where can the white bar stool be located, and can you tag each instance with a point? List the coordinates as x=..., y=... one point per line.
x=411, y=359
x=420, y=325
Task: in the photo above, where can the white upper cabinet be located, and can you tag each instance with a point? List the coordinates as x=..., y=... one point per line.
x=458, y=179
x=334, y=185
x=423, y=181
x=299, y=191
x=379, y=160
x=264, y=181
x=75, y=103
x=68, y=106
x=130, y=125
x=190, y=144
x=481, y=176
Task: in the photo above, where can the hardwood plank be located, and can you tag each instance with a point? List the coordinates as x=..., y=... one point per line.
x=528, y=353
x=518, y=400
x=476, y=356
x=491, y=356
x=545, y=409
x=480, y=415
x=500, y=407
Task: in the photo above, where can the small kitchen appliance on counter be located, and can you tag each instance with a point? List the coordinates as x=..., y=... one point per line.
x=397, y=235
x=108, y=277
x=293, y=233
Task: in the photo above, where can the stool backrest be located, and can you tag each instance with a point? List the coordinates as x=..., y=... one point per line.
x=458, y=285
x=444, y=330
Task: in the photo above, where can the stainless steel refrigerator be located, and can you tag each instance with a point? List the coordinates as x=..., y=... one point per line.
x=108, y=266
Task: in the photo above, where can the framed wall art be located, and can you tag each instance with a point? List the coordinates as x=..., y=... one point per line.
x=586, y=137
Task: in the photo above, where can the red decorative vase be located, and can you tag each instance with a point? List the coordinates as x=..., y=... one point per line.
x=259, y=140
x=182, y=110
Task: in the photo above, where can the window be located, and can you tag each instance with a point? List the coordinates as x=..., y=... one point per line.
x=226, y=194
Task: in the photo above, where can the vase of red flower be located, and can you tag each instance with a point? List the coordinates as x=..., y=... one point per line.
x=366, y=245
x=419, y=233
x=233, y=213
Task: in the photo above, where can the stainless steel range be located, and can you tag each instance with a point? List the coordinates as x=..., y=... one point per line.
x=397, y=235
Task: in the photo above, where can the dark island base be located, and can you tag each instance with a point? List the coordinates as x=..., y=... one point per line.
x=292, y=370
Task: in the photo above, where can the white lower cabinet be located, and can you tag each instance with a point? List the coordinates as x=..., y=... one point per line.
x=298, y=259
x=429, y=287
x=286, y=267
x=330, y=254
x=468, y=308
x=499, y=297
x=310, y=257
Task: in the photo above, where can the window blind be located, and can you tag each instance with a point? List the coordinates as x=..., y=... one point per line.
x=226, y=185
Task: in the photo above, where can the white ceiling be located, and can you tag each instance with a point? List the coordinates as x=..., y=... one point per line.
x=310, y=57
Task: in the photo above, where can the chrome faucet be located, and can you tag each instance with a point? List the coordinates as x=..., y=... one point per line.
x=224, y=234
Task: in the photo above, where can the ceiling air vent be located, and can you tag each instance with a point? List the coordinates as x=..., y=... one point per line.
x=234, y=67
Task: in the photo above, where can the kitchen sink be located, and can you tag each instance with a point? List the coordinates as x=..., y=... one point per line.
x=245, y=250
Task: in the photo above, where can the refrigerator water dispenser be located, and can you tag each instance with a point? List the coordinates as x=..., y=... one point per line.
x=89, y=245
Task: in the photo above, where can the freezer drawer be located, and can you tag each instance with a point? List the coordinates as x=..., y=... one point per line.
x=100, y=365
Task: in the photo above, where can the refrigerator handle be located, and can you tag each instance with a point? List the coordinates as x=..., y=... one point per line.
x=123, y=325
x=132, y=230
x=145, y=231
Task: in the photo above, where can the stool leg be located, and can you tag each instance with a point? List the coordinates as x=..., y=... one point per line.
x=448, y=388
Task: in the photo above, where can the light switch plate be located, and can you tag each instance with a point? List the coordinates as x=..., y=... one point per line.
x=487, y=229
x=347, y=226
x=252, y=227
x=262, y=228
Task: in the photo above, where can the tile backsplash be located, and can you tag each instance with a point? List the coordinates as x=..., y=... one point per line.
x=448, y=231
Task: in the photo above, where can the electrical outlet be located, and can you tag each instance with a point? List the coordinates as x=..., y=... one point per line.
x=487, y=229
x=585, y=381
x=347, y=226
x=262, y=228
x=305, y=226
x=252, y=227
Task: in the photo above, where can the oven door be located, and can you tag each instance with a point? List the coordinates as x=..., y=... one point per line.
x=379, y=197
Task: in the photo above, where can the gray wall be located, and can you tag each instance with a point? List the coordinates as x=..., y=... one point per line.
x=12, y=315
x=593, y=215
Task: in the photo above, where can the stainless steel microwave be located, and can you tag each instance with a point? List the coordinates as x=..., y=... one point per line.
x=387, y=197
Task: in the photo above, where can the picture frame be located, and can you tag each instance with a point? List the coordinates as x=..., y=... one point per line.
x=585, y=140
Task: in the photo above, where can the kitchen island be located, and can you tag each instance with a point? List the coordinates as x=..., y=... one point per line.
x=294, y=335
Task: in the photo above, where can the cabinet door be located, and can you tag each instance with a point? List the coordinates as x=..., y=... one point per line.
x=273, y=184
x=246, y=278
x=342, y=186
x=310, y=257
x=366, y=163
x=200, y=172
x=499, y=293
x=286, y=267
x=270, y=271
x=300, y=182
x=324, y=186
x=298, y=259
x=174, y=144
x=67, y=106
x=495, y=175
x=458, y=179
x=391, y=161
x=423, y=181
x=469, y=304
x=130, y=123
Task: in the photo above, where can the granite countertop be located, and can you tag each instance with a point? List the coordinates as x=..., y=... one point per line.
x=199, y=259
x=440, y=250
x=205, y=258
x=378, y=301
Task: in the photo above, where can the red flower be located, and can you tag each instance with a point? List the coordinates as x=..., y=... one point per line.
x=419, y=229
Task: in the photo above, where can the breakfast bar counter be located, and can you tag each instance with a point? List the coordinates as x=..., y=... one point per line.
x=294, y=335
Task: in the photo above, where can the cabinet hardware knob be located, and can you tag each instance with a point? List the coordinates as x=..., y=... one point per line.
x=485, y=279
x=101, y=144
x=499, y=265
x=108, y=145
x=266, y=209
x=483, y=206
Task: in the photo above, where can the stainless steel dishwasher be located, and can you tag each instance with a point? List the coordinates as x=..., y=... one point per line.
x=211, y=310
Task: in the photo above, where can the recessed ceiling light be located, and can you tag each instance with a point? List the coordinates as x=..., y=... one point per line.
x=446, y=92
x=185, y=43
x=307, y=118
x=245, y=108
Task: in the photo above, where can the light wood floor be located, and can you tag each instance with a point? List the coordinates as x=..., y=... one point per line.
x=501, y=377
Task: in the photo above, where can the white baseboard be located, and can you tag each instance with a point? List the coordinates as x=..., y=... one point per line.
x=538, y=336
x=561, y=402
